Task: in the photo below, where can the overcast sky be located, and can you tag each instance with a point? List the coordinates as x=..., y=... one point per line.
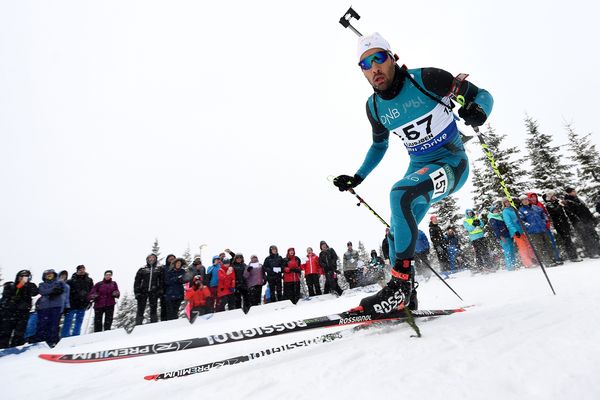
x=218, y=123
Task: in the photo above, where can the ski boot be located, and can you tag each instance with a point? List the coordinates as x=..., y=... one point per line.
x=395, y=295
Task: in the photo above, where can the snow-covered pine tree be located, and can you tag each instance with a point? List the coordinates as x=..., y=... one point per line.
x=547, y=172
x=156, y=251
x=187, y=255
x=363, y=256
x=447, y=211
x=587, y=161
x=126, y=312
x=486, y=185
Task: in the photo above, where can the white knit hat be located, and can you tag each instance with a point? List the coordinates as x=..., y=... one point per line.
x=373, y=41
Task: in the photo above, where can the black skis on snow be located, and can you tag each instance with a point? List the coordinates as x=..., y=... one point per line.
x=325, y=338
x=341, y=319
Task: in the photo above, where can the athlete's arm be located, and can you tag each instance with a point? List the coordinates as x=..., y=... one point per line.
x=378, y=148
x=440, y=82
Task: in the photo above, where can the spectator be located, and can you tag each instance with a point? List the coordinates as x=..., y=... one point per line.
x=195, y=269
x=515, y=230
x=561, y=223
x=349, y=264
x=385, y=247
x=80, y=286
x=254, y=276
x=439, y=244
x=226, y=287
x=212, y=277
x=474, y=226
x=104, y=295
x=312, y=273
x=273, y=266
x=328, y=260
x=169, y=261
x=174, y=280
x=198, y=295
x=292, y=271
x=533, y=200
x=49, y=307
x=63, y=276
x=422, y=256
x=148, y=288
x=496, y=223
x=374, y=271
x=14, y=309
x=241, y=287
x=534, y=221
x=583, y=221
x=453, y=246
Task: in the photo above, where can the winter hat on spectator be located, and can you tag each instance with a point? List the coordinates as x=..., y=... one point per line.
x=197, y=278
x=197, y=261
x=323, y=243
x=226, y=261
x=373, y=253
x=523, y=197
x=372, y=41
x=569, y=190
x=216, y=258
x=79, y=267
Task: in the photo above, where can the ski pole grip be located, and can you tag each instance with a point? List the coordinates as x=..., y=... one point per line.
x=347, y=17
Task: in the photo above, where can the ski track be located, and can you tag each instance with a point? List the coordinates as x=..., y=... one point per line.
x=517, y=342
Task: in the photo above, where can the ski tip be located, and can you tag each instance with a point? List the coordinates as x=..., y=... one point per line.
x=50, y=357
x=151, y=377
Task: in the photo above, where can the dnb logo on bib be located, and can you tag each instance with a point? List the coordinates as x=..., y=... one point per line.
x=442, y=180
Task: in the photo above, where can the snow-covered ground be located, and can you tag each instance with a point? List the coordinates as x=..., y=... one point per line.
x=517, y=342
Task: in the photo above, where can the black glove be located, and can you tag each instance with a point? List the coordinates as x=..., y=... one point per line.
x=517, y=234
x=115, y=293
x=345, y=182
x=476, y=222
x=249, y=269
x=473, y=114
x=57, y=291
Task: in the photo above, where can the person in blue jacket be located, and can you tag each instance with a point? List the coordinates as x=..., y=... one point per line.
x=50, y=307
x=414, y=104
x=534, y=219
x=212, y=275
x=422, y=256
x=174, y=280
x=453, y=246
x=474, y=227
x=500, y=230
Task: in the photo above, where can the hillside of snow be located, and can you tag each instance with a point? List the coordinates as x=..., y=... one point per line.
x=518, y=341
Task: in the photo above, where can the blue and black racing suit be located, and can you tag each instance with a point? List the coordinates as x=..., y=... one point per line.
x=417, y=108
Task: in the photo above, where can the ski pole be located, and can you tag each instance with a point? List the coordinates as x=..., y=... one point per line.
x=347, y=17
x=494, y=167
x=361, y=201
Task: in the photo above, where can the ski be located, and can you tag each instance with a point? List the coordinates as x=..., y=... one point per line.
x=325, y=338
x=326, y=321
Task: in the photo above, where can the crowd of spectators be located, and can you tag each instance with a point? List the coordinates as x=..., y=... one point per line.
x=549, y=231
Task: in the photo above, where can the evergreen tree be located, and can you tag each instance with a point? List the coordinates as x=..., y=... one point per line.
x=547, y=171
x=587, y=160
x=126, y=312
x=363, y=256
x=187, y=256
x=447, y=211
x=486, y=185
x=156, y=251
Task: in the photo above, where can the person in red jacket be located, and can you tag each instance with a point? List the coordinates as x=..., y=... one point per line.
x=226, y=287
x=104, y=295
x=312, y=272
x=292, y=272
x=197, y=296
